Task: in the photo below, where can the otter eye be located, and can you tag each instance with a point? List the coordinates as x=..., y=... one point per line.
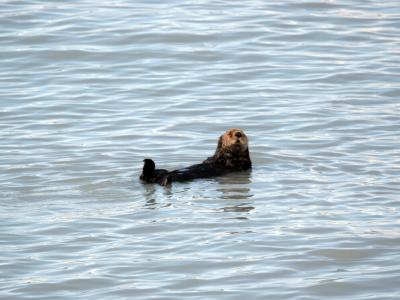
x=238, y=134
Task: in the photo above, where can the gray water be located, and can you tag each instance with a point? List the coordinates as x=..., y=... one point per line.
x=90, y=88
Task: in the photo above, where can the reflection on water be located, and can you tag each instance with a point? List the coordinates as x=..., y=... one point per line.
x=235, y=186
x=238, y=208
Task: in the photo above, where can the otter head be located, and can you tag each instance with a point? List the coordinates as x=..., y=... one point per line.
x=235, y=140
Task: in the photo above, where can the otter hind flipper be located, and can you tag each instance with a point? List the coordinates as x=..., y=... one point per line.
x=149, y=173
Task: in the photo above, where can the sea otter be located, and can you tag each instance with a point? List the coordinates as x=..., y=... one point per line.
x=232, y=154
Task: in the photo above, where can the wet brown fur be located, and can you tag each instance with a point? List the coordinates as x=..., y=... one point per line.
x=232, y=151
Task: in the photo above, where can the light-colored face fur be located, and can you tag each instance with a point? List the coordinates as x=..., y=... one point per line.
x=234, y=138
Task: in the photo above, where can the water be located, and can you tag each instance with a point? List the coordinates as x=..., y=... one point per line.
x=88, y=89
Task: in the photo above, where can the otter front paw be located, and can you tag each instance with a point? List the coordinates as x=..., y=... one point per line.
x=166, y=180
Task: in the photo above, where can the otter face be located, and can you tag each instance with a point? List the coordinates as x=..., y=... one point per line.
x=235, y=139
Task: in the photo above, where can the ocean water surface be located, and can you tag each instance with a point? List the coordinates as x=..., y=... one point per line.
x=90, y=88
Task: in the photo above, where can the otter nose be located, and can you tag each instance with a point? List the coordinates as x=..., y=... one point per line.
x=238, y=134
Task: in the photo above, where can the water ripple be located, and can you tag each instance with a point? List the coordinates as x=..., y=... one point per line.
x=90, y=89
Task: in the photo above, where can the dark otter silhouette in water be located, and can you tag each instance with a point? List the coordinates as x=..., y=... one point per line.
x=232, y=154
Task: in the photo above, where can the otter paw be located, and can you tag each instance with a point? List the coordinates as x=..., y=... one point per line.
x=166, y=180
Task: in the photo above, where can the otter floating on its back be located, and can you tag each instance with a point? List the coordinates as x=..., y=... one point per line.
x=232, y=154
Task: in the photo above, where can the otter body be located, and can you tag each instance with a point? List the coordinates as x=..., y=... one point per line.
x=232, y=154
